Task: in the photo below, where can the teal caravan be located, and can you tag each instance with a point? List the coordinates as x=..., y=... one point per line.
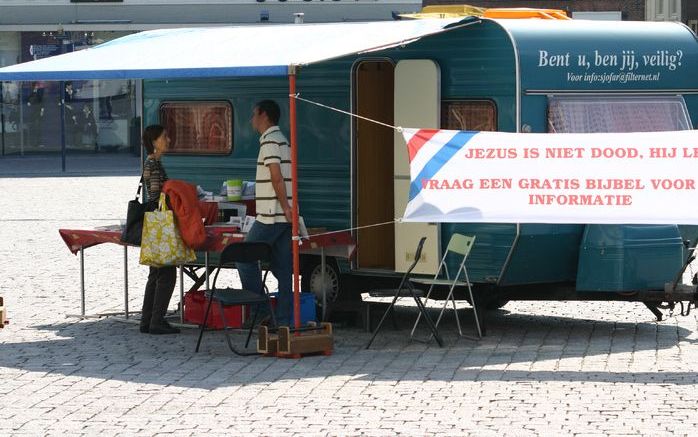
x=510, y=75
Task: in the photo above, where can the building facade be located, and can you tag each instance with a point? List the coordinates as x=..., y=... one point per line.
x=99, y=116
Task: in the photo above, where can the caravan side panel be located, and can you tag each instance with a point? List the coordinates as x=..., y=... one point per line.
x=324, y=158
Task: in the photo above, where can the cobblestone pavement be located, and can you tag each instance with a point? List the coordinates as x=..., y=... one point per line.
x=544, y=369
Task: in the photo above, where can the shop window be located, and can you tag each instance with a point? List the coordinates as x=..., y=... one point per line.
x=617, y=114
x=659, y=8
x=472, y=115
x=202, y=128
x=663, y=10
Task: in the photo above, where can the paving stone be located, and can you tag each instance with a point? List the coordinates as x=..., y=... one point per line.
x=544, y=369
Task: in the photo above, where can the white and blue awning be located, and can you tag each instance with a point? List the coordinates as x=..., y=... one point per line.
x=264, y=50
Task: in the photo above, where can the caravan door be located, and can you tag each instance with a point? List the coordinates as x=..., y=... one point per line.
x=417, y=103
x=373, y=166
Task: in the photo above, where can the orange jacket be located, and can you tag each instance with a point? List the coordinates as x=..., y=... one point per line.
x=185, y=205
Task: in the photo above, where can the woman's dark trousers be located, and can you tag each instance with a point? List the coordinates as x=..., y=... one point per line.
x=158, y=291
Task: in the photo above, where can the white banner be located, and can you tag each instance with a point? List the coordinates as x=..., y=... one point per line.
x=642, y=177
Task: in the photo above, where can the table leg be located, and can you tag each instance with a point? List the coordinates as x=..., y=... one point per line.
x=206, y=268
x=82, y=314
x=126, y=281
x=82, y=282
x=322, y=282
x=181, y=294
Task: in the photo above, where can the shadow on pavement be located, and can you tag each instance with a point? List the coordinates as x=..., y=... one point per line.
x=107, y=349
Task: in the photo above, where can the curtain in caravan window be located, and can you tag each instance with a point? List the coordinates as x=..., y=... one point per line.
x=201, y=128
x=470, y=115
x=617, y=114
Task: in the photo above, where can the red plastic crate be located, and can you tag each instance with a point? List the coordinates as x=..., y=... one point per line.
x=195, y=307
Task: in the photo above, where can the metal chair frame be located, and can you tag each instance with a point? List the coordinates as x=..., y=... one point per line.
x=258, y=252
x=461, y=245
x=406, y=289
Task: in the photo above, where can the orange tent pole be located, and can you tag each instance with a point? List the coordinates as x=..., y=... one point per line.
x=294, y=190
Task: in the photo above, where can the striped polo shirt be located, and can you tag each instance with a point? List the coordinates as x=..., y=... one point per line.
x=273, y=149
x=154, y=177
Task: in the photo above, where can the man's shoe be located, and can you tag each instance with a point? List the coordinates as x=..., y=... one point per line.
x=144, y=329
x=163, y=328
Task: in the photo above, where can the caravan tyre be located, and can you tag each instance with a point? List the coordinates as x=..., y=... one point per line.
x=311, y=281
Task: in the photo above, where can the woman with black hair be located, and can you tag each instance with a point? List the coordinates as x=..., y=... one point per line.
x=161, y=280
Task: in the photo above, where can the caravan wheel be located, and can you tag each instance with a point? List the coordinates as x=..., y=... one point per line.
x=311, y=280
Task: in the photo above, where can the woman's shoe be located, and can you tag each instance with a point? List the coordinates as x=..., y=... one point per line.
x=163, y=328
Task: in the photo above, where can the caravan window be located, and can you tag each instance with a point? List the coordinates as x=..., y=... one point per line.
x=473, y=115
x=202, y=128
x=617, y=114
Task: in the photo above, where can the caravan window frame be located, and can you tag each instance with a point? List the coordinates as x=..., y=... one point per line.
x=199, y=105
x=445, y=106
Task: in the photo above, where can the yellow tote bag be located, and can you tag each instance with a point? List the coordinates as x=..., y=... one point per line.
x=161, y=243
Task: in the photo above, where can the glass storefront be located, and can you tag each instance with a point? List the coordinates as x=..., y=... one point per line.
x=99, y=115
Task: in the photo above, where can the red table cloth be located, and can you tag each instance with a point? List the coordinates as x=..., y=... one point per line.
x=338, y=244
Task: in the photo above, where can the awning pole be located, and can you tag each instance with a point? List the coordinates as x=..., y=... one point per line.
x=294, y=190
x=2, y=119
x=61, y=99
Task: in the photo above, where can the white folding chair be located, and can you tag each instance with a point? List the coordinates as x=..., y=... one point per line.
x=460, y=245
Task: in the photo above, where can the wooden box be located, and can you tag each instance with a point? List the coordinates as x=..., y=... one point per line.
x=287, y=343
x=3, y=315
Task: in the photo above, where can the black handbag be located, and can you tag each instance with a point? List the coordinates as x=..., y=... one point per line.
x=134, y=219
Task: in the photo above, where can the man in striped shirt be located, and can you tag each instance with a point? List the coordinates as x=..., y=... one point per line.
x=273, y=204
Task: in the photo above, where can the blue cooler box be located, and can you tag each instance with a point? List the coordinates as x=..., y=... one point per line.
x=308, y=313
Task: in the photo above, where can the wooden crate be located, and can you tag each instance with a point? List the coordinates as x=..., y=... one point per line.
x=267, y=343
x=2, y=313
x=318, y=341
x=289, y=344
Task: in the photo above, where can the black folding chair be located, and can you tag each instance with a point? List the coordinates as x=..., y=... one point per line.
x=242, y=252
x=406, y=289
